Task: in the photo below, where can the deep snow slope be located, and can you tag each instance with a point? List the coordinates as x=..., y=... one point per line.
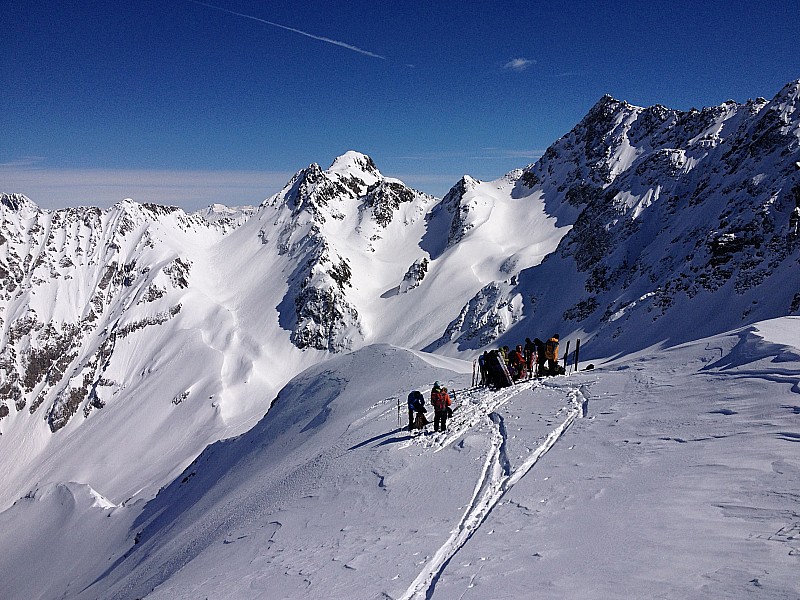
x=667, y=474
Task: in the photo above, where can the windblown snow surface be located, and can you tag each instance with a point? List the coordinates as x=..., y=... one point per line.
x=670, y=474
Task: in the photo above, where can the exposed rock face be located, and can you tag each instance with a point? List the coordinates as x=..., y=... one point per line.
x=487, y=316
x=74, y=282
x=319, y=202
x=385, y=197
x=414, y=275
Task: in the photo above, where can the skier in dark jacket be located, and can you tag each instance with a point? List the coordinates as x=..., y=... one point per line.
x=482, y=360
x=416, y=404
x=541, y=359
x=530, y=352
x=500, y=377
x=489, y=366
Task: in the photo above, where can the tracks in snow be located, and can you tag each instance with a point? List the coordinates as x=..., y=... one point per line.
x=497, y=477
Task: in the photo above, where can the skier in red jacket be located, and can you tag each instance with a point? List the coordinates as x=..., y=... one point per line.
x=441, y=404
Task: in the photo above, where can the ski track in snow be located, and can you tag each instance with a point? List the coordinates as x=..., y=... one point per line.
x=497, y=476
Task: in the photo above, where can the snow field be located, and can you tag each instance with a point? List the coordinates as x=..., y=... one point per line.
x=657, y=493
x=671, y=473
x=497, y=477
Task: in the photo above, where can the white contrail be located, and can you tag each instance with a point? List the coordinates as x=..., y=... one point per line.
x=311, y=35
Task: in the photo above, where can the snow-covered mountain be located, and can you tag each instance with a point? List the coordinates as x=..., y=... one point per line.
x=134, y=338
x=666, y=209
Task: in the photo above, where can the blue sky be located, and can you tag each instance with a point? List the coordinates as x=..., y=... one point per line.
x=186, y=102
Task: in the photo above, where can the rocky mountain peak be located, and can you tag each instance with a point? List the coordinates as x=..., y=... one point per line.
x=791, y=92
x=783, y=109
x=605, y=111
x=456, y=193
x=17, y=203
x=312, y=189
x=355, y=164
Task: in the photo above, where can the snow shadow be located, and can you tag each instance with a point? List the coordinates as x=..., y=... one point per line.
x=393, y=440
x=437, y=231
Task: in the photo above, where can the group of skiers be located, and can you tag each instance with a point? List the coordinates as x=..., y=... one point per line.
x=498, y=368
x=441, y=402
x=502, y=367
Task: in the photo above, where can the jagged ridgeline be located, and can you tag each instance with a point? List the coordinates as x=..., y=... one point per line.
x=638, y=226
x=330, y=224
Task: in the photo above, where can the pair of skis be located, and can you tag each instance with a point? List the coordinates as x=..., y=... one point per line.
x=575, y=357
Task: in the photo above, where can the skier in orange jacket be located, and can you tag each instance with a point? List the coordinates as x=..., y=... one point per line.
x=551, y=352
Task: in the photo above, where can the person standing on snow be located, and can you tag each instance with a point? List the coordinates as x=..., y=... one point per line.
x=440, y=400
x=551, y=352
x=517, y=361
x=541, y=358
x=500, y=377
x=416, y=404
x=530, y=353
x=482, y=360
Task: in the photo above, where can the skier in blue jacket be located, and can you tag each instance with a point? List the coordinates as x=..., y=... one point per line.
x=416, y=404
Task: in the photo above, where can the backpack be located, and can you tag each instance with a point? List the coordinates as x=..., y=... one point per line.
x=439, y=400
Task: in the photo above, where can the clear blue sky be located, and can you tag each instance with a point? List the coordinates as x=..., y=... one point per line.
x=176, y=101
